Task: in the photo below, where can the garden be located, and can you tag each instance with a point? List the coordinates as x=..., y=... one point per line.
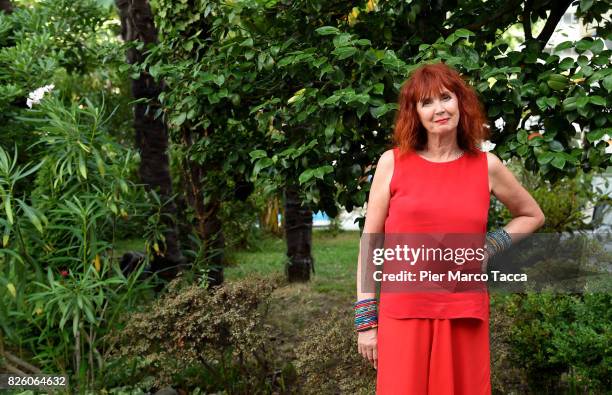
x=161, y=161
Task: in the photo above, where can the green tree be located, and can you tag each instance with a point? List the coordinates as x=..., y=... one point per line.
x=309, y=86
x=138, y=29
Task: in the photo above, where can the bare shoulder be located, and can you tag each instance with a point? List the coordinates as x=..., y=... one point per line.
x=494, y=164
x=386, y=159
x=384, y=167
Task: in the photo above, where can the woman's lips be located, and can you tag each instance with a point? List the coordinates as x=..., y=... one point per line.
x=442, y=120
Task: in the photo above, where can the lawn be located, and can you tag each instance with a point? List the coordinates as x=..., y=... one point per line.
x=294, y=306
x=335, y=262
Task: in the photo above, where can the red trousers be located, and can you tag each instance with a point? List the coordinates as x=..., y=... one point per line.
x=433, y=357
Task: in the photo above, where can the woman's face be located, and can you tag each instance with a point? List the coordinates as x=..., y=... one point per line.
x=439, y=115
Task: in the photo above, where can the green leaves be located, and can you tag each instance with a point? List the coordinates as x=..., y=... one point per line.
x=257, y=154
x=566, y=64
x=563, y=46
x=261, y=164
x=378, y=112
x=585, y=5
x=179, y=119
x=318, y=172
x=297, y=96
x=597, y=100
x=558, y=162
x=557, y=82
x=344, y=52
x=597, y=134
x=589, y=44
x=570, y=104
x=555, y=146
x=607, y=82
x=35, y=216
x=327, y=31
x=456, y=35
x=8, y=210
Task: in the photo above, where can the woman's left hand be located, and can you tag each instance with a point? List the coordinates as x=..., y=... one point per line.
x=367, y=345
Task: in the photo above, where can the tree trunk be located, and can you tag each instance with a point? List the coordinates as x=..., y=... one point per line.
x=137, y=24
x=214, y=243
x=298, y=231
x=6, y=6
x=207, y=223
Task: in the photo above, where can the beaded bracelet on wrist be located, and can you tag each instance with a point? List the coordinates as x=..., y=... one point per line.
x=498, y=241
x=366, y=316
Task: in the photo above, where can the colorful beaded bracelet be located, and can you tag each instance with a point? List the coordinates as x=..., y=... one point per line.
x=366, y=316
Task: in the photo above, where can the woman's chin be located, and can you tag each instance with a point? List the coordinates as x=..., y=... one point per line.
x=443, y=130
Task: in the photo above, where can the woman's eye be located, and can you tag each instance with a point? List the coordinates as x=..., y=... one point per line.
x=426, y=102
x=446, y=97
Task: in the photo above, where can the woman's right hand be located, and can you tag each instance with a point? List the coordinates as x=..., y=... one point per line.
x=367, y=343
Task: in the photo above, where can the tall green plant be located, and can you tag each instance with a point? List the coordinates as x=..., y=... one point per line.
x=64, y=226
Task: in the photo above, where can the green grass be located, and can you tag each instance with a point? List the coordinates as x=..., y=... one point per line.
x=335, y=261
x=335, y=258
x=123, y=246
x=295, y=307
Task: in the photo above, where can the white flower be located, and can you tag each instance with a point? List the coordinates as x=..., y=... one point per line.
x=606, y=138
x=36, y=96
x=608, y=149
x=487, y=146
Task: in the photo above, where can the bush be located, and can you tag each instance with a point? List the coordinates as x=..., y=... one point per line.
x=193, y=337
x=560, y=342
x=564, y=202
x=60, y=286
x=328, y=360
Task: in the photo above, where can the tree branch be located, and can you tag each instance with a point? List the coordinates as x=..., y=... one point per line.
x=556, y=13
x=510, y=6
x=527, y=19
x=19, y=362
x=14, y=370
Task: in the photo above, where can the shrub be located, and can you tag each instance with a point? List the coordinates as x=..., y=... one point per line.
x=328, y=360
x=193, y=337
x=564, y=202
x=562, y=342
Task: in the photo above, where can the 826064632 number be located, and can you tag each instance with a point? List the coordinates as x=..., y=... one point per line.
x=9, y=381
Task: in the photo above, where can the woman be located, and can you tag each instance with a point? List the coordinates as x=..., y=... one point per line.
x=436, y=180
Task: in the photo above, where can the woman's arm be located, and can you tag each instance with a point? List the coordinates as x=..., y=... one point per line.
x=378, y=206
x=527, y=216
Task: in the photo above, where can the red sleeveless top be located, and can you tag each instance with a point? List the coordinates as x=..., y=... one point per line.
x=437, y=198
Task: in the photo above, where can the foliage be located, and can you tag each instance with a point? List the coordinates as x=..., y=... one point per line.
x=283, y=93
x=66, y=43
x=565, y=202
x=328, y=360
x=240, y=224
x=511, y=85
x=64, y=227
x=323, y=90
x=560, y=340
x=207, y=97
x=191, y=337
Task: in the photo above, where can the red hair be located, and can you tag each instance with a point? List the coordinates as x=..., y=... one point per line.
x=430, y=80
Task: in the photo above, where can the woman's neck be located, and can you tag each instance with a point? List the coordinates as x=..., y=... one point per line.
x=441, y=148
